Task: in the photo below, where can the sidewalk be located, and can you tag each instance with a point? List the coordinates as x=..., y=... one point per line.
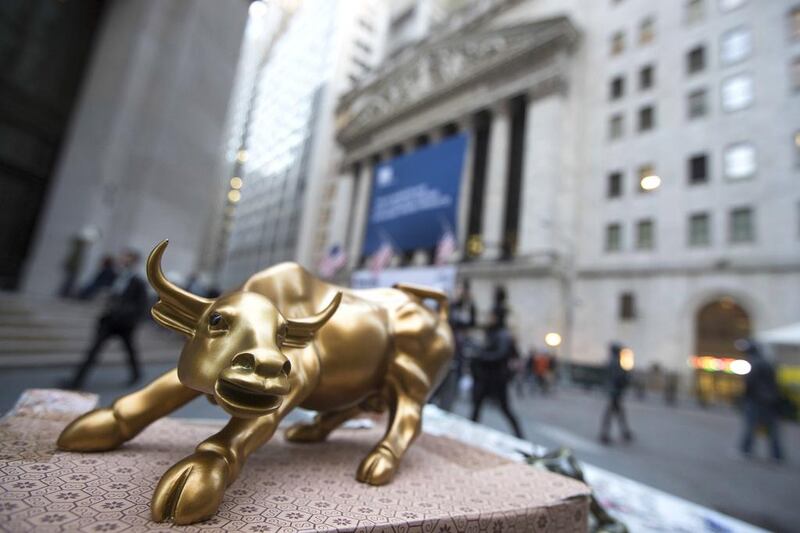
x=685, y=451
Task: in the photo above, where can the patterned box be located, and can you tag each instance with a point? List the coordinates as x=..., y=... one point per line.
x=443, y=486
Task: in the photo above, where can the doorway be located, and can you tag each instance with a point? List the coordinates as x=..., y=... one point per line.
x=719, y=324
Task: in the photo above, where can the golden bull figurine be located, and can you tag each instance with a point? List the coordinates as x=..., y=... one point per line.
x=265, y=349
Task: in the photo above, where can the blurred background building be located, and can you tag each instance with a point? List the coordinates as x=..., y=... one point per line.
x=628, y=170
x=282, y=193
x=114, y=138
x=632, y=167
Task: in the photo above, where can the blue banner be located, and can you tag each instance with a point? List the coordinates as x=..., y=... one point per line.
x=415, y=197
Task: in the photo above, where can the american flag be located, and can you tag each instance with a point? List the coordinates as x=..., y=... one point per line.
x=446, y=247
x=381, y=258
x=332, y=262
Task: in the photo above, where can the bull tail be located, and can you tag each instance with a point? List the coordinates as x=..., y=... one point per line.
x=427, y=293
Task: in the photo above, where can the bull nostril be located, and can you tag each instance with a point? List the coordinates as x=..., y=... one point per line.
x=244, y=361
x=287, y=367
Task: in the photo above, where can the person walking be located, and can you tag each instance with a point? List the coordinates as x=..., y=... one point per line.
x=462, y=320
x=104, y=278
x=491, y=372
x=761, y=402
x=618, y=380
x=126, y=305
x=73, y=262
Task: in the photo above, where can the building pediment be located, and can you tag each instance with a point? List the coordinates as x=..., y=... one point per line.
x=441, y=66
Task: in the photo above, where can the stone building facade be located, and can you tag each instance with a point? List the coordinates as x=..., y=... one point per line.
x=632, y=171
x=144, y=148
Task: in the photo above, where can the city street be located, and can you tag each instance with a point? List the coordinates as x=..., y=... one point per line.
x=684, y=450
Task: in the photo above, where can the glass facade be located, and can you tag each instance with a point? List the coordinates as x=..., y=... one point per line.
x=279, y=141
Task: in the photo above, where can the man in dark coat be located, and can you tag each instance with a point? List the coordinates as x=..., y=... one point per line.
x=462, y=319
x=761, y=402
x=618, y=380
x=491, y=372
x=126, y=305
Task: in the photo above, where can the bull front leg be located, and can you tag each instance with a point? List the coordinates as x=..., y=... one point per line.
x=192, y=489
x=109, y=427
x=408, y=386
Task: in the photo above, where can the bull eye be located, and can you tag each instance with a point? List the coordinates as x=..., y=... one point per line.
x=216, y=321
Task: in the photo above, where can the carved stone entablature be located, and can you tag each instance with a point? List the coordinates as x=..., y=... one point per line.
x=440, y=67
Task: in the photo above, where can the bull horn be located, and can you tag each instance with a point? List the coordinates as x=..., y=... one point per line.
x=300, y=331
x=189, y=305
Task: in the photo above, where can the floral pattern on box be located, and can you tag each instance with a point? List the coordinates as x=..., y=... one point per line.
x=444, y=486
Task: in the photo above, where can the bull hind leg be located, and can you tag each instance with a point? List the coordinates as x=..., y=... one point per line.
x=322, y=425
x=408, y=389
x=107, y=428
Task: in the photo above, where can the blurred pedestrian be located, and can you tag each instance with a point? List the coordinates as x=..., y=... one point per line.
x=104, y=278
x=126, y=304
x=541, y=371
x=761, y=402
x=618, y=380
x=73, y=262
x=462, y=320
x=491, y=370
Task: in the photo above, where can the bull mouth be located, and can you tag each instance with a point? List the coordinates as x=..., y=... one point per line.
x=244, y=401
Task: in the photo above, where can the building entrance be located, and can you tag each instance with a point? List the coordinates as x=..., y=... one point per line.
x=718, y=325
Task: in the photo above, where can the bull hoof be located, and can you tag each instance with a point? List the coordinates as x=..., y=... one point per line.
x=378, y=467
x=306, y=433
x=191, y=490
x=96, y=431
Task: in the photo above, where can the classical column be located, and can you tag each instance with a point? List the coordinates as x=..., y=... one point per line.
x=466, y=126
x=362, y=185
x=496, y=174
x=543, y=171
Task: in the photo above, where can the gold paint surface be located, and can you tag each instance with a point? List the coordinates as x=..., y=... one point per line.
x=284, y=339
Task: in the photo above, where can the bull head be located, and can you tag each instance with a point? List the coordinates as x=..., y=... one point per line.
x=235, y=344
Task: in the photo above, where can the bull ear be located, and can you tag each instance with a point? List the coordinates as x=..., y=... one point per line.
x=300, y=331
x=176, y=308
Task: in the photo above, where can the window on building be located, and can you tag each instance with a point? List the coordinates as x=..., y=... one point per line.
x=617, y=88
x=730, y=5
x=615, y=126
x=627, y=306
x=613, y=237
x=737, y=92
x=645, y=171
x=695, y=11
x=796, y=144
x=735, y=45
x=739, y=161
x=741, y=227
x=699, y=230
x=645, y=235
x=698, y=169
x=794, y=23
x=795, y=74
x=614, y=189
x=696, y=60
x=366, y=25
x=647, y=118
x=647, y=77
x=647, y=30
x=617, y=43
x=365, y=47
x=697, y=104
